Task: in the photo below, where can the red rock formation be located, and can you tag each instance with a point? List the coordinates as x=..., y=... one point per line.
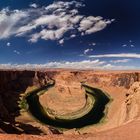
x=123, y=109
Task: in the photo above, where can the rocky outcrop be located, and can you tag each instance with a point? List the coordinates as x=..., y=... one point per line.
x=13, y=83
x=114, y=79
x=129, y=131
x=133, y=102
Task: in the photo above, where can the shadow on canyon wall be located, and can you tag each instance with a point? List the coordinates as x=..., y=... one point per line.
x=12, y=84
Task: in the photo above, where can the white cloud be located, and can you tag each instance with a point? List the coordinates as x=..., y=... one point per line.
x=92, y=44
x=91, y=24
x=87, y=51
x=57, y=21
x=61, y=41
x=73, y=35
x=63, y=5
x=132, y=45
x=33, y=5
x=88, y=22
x=120, y=61
x=8, y=44
x=17, y=52
x=128, y=45
x=34, y=38
x=120, y=67
x=9, y=20
x=77, y=64
x=121, y=55
x=124, y=45
x=85, y=64
x=98, y=26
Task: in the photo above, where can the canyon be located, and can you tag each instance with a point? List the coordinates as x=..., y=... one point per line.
x=122, y=115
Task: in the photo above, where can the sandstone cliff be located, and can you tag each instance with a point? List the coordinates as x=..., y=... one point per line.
x=124, y=108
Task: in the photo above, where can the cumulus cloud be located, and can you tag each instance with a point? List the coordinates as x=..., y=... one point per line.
x=33, y=5
x=84, y=64
x=89, y=25
x=56, y=21
x=77, y=64
x=87, y=51
x=121, y=55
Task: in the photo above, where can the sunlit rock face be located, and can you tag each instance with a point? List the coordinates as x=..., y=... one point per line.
x=122, y=86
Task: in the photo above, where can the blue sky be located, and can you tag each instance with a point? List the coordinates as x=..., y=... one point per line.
x=93, y=34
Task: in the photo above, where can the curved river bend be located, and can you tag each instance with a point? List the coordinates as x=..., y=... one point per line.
x=92, y=113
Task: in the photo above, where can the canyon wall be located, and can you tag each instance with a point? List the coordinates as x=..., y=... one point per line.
x=13, y=83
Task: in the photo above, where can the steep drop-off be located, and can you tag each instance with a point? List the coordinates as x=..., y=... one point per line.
x=123, y=109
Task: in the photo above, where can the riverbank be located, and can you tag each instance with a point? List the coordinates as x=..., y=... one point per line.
x=91, y=113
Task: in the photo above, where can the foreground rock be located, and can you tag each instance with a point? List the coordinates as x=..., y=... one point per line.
x=125, y=132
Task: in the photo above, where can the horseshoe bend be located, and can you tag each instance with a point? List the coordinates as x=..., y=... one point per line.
x=69, y=104
x=95, y=101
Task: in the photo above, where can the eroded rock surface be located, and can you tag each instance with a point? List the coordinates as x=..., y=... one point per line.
x=122, y=86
